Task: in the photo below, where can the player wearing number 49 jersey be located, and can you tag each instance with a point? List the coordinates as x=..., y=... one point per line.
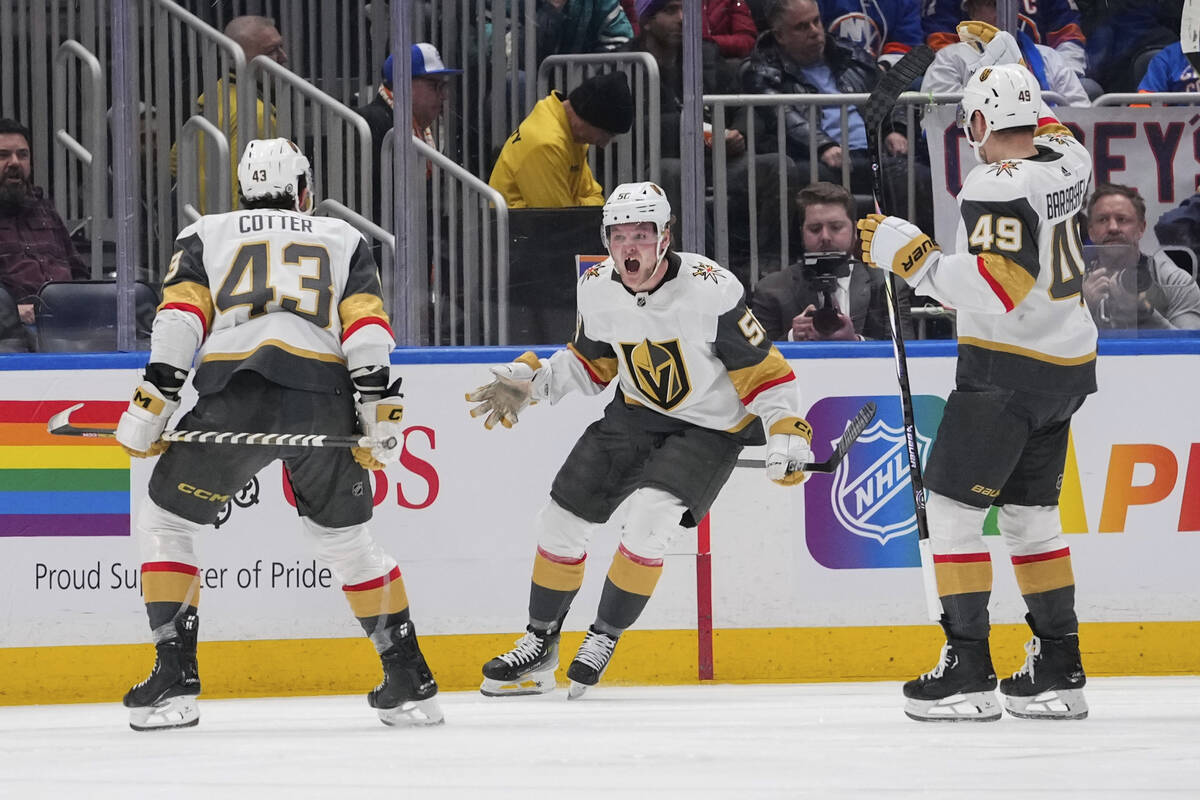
x=697, y=379
x=1026, y=361
x=284, y=313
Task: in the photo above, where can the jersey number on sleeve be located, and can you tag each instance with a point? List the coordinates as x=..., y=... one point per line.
x=1004, y=233
x=1066, y=261
x=752, y=329
x=305, y=289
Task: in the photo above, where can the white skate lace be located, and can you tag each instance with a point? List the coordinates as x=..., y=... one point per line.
x=943, y=662
x=529, y=648
x=1032, y=649
x=596, y=649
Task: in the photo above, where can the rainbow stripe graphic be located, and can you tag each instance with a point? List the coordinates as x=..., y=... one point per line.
x=60, y=485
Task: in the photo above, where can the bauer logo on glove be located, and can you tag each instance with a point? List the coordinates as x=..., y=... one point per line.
x=898, y=246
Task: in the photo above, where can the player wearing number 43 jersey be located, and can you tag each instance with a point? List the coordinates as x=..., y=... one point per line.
x=697, y=379
x=284, y=313
x=1026, y=361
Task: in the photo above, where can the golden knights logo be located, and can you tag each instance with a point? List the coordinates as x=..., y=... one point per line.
x=658, y=370
x=591, y=272
x=708, y=271
x=1004, y=168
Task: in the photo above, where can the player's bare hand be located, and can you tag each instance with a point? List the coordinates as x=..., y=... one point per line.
x=896, y=144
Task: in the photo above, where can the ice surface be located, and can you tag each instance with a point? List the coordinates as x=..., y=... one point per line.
x=712, y=741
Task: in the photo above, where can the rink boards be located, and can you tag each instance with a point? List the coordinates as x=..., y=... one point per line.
x=811, y=583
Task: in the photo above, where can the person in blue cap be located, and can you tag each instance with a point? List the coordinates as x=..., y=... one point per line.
x=430, y=86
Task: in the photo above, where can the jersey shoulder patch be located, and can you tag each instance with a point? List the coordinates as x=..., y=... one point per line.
x=710, y=286
x=1001, y=180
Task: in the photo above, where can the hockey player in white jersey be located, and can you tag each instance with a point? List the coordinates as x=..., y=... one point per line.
x=697, y=379
x=283, y=313
x=1026, y=361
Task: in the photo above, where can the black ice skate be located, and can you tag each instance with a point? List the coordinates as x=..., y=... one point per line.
x=526, y=669
x=407, y=696
x=1050, y=684
x=590, y=662
x=960, y=688
x=167, y=699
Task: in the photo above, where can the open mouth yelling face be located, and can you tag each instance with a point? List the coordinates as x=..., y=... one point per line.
x=634, y=249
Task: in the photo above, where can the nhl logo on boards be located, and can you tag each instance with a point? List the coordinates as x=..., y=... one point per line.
x=862, y=516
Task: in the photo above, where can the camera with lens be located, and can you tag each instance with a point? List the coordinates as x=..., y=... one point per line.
x=821, y=272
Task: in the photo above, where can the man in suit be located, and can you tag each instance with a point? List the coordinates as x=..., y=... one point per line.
x=787, y=302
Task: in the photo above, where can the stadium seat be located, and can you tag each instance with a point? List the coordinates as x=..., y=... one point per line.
x=81, y=316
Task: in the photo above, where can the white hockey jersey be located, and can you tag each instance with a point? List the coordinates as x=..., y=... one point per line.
x=293, y=297
x=1016, y=278
x=689, y=349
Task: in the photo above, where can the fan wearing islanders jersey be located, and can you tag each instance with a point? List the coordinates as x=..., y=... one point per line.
x=283, y=313
x=887, y=29
x=1026, y=361
x=697, y=379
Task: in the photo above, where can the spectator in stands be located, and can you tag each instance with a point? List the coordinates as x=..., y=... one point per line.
x=853, y=305
x=661, y=25
x=430, y=87
x=34, y=244
x=983, y=44
x=581, y=26
x=887, y=29
x=796, y=57
x=1170, y=71
x=1124, y=287
x=544, y=162
x=1121, y=36
x=1180, y=227
x=1055, y=23
x=726, y=23
x=257, y=36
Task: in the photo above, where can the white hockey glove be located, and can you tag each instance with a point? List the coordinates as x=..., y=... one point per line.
x=145, y=419
x=898, y=246
x=789, y=451
x=380, y=418
x=516, y=386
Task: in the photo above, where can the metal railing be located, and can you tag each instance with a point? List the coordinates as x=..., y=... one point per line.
x=88, y=165
x=629, y=156
x=218, y=191
x=336, y=140
x=461, y=242
x=183, y=60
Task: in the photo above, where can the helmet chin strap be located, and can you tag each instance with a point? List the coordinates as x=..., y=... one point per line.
x=977, y=147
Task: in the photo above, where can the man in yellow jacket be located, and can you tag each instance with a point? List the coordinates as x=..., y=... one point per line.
x=544, y=162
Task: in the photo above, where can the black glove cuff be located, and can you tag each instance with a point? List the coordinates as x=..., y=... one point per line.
x=167, y=379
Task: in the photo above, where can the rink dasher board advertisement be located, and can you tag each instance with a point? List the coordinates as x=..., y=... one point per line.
x=457, y=510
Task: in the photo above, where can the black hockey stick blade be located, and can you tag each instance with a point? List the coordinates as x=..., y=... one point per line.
x=893, y=83
x=854, y=429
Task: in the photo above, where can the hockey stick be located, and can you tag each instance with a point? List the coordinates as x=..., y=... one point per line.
x=1189, y=32
x=854, y=429
x=878, y=108
x=60, y=425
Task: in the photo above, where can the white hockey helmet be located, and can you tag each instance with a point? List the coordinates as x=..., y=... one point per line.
x=1007, y=95
x=275, y=169
x=637, y=202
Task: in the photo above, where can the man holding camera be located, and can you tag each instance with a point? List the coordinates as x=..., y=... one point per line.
x=1124, y=287
x=828, y=296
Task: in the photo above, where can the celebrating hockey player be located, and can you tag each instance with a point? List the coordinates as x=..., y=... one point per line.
x=697, y=379
x=286, y=313
x=1026, y=361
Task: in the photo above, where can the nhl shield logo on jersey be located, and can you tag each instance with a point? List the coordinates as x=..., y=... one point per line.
x=862, y=516
x=658, y=370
